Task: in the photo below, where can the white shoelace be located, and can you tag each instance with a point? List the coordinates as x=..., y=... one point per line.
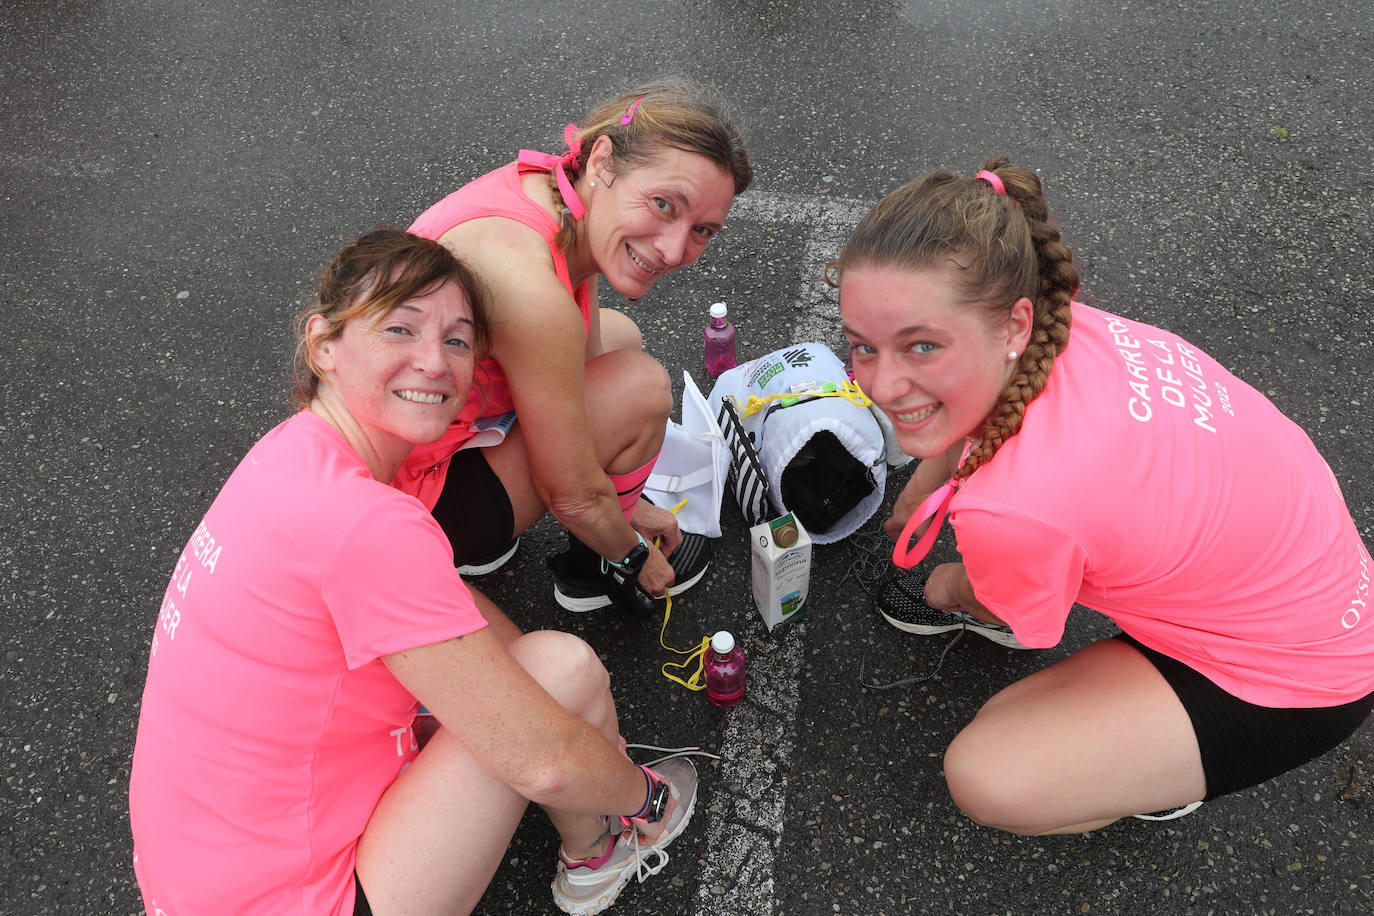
x=643, y=868
x=671, y=752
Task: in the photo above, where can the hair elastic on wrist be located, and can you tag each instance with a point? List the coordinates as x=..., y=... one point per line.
x=651, y=779
x=648, y=795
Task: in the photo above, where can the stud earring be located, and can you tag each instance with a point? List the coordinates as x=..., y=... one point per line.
x=591, y=184
x=1011, y=354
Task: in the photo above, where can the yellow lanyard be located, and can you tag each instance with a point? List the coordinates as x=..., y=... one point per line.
x=697, y=679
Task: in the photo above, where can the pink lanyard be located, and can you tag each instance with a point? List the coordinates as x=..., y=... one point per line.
x=904, y=554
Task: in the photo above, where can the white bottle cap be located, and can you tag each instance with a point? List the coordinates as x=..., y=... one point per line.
x=718, y=311
x=723, y=643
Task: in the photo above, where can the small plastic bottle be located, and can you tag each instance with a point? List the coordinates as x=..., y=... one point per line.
x=720, y=342
x=724, y=670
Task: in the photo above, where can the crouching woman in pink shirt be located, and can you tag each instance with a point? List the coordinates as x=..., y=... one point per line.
x=278, y=768
x=1083, y=457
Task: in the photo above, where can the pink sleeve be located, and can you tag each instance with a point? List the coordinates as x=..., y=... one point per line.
x=392, y=585
x=1025, y=571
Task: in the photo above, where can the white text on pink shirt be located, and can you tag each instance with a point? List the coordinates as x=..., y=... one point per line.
x=202, y=547
x=1176, y=380
x=1352, y=615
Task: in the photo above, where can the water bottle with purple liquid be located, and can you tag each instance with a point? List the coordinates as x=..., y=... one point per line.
x=724, y=670
x=720, y=342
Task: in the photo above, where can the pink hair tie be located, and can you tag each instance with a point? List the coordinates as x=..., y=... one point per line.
x=630, y=112
x=992, y=179
x=570, y=199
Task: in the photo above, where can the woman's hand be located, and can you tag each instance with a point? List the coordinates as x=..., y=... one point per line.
x=649, y=833
x=945, y=585
x=659, y=526
x=657, y=574
x=948, y=589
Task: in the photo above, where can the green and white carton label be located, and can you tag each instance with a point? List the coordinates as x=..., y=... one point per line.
x=781, y=568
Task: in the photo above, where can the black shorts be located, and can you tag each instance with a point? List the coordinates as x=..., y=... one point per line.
x=1243, y=744
x=360, y=905
x=474, y=509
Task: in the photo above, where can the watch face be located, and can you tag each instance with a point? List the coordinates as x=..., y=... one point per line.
x=658, y=805
x=635, y=560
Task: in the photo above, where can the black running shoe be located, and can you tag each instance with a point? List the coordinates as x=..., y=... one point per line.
x=582, y=583
x=903, y=604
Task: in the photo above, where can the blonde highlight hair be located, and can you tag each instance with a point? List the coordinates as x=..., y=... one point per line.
x=1003, y=247
x=669, y=113
x=368, y=278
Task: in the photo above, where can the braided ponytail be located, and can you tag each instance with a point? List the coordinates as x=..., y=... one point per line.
x=998, y=230
x=1058, y=282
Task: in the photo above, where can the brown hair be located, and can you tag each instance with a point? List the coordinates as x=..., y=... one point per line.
x=1004, y=247
x=668, y=113
x=372, y=275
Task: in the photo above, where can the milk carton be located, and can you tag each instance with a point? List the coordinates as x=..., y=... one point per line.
x=781, y=569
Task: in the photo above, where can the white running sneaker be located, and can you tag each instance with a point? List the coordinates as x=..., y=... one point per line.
x=1171, y=815
x=490, y=564
x=585, y=888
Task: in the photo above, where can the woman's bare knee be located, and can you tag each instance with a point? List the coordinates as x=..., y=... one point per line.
x=619, y=331
x=567, y=668
x=968, y=775
x=984, y=783
x=629, y=382
x=629, y=400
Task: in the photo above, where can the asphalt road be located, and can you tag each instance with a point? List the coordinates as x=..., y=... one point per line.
x=174, y=174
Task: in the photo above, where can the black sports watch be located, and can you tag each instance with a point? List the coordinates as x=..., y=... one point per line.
x=634, y=560
x=658, y=801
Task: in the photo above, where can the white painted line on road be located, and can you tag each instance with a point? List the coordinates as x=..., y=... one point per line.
x=827, y=222
x=745, y=819
x=747, y=813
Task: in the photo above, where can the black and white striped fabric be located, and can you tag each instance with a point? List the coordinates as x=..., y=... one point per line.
x=747, y=478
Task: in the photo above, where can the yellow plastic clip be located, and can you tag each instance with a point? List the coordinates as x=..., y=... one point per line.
x=848, y=389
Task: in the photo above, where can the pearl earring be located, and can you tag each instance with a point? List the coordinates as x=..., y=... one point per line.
x=591, y=184
x=1011, y=354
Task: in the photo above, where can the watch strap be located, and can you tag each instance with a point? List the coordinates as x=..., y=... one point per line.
x=639, y=552
x=655, y=801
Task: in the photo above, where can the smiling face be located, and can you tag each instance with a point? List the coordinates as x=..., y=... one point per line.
x=651, y=220
x=934, y=363
x=403, y=378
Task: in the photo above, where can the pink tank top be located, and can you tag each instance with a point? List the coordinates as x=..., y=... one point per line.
x=497, y=193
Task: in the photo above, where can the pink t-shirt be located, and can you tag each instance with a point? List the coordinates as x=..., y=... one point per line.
x=497, y=193
x=270, y=727
x=1150, y=484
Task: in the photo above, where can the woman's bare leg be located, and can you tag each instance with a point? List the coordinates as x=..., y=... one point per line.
x=619, y=332
x=439, y=832
x=1096, y=737
x=628, y=399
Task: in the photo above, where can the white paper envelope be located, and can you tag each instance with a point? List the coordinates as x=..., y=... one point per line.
x=693, y=464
